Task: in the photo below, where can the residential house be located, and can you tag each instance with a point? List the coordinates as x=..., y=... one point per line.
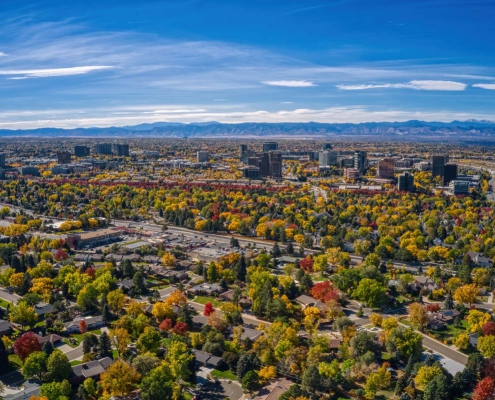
x=308, y=301
x=207, y=359
x=274, y=389
x=423, y=283
x=208, y=289
x=439, y=320
x=52, y=338
x=248, y=333
x=5, y=328
x=480, y=260
x=42, y=308
x=91, y=322
x=92, y=369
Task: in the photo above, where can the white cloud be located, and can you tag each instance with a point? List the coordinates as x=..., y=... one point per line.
x=2, y=54
x=289, y=83
x=416, y=85
x=488, y=86
x=51, y=72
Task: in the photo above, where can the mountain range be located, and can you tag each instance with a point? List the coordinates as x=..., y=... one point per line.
x=470, y=131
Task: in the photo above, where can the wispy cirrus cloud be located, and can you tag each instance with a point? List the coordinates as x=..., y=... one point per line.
x=487, y=86
x=2, y=54
x=53, y=72
x=416, y=85
x=295, y=84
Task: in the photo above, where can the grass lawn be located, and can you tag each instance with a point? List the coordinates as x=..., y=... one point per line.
x=40, y=324
x=15, y=362
x=224, y=374
x=115, y=354
x=80, y=336
x=4, y=303
x=387, y=356
x=319, y=278
x=75, y=362
x=450, y=332
x=204, y=300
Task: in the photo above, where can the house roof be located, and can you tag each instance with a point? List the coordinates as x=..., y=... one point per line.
x=5, y=325
x=43, y=308
x=52, y=338
x=91, y=368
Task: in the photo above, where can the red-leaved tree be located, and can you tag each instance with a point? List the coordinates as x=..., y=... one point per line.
x=433, y=307
x=484, y=389
x=488, y=329
x=180, y=328
x=26, y=344
x=324, y=291
x=165, y=325
x=61, y=255
x=83, y=326
x=307, y=264
x=208, y=309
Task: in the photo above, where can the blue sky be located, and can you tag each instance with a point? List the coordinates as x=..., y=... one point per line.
x=102, y=63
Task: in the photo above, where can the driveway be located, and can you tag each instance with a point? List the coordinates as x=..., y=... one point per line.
x=10, y=297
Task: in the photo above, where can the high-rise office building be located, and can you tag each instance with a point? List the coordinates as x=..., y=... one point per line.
x=120, y=149
x=64, y=157
x=406, y=182
x=275, y=159
x=202, y=156
x=326, y=158
x=242, y=150
x=450, y=173
x=103, y=148
x=360, y=160
x=438, y=165
x=251, y=172
x=270, y=146
x=81, y=151
x=2, y=159
x=326, y=146
x=385, y=168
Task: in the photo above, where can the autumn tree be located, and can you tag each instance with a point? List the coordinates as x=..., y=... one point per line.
x=23, y=315
x=26, y=344
x=426, y=374
x=208, y=309
x=418, y=315
x=119, y=379
x=466, y=294
x=371, y=292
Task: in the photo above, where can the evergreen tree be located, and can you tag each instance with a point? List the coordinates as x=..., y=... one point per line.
x=105, y=313
x=4, y=358
x=276, y=252
x=47, y=348
x=104, y=346
x=449, y=302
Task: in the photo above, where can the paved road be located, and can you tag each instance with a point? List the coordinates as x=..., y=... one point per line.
x=444, y=350
x=10, y=297
x=75, y=353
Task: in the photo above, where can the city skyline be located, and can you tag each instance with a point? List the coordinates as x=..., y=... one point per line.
x=106, y=64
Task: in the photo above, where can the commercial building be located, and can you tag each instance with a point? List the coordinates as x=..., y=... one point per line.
x=103, y=148
x=101, y=236
x=326, y=158
x=326, y=146
x=386, y=168
x=459, y=187
x=29, y=170
x=270, y=146
x=64, y=157
x=352, y=173
x=251, y=172
x=438, y=165
x=450, y=173
x=81, y=151
x=2, y=159
x=360, y=160
x=202, y=156
x=120, y=149
x=242, y=150
x=406, y=182
x=275, y=159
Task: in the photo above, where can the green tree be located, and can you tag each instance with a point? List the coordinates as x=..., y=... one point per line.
x=371, y=292
x=35, y=366
x=405, y=341
x=104, y=346
x=56, y=390
x=23, y=315
x=158, y=384
x=250, y=381
x=149, y=341
x=58, y=366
